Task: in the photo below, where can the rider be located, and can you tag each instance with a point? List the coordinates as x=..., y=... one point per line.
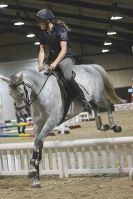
x=54, y=35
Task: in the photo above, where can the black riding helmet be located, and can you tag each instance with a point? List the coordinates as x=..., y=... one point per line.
x=45, y=14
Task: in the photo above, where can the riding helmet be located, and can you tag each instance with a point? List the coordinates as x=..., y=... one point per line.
x=45, y=14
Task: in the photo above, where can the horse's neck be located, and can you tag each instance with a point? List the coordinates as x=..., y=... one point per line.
x=33, y=77
x=40, y=82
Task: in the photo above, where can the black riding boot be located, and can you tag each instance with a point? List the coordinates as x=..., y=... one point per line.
x=79, y=94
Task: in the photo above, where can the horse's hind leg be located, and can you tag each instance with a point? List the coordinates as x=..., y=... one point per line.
x=113, y=126
x=98, y=119
x=99, y=125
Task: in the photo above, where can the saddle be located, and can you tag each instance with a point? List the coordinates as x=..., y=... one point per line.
x=65, y=89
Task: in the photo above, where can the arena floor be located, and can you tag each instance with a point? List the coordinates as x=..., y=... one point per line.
x=84, y=187
x=118, y=187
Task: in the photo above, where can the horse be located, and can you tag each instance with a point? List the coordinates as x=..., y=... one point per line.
x=47, y=101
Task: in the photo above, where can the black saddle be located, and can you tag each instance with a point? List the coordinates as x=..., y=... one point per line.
x=64, y=87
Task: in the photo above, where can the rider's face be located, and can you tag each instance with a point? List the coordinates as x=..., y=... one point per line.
x=42, y=24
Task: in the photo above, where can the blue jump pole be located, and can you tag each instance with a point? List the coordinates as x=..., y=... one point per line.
x=16, y=135
x=16, y=125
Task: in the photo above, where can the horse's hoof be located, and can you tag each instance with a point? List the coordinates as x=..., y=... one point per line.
x=117, y=128
x=36, y=185
x=32, y=174
x=106, y=127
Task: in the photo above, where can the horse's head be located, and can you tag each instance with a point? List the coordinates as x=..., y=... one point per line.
x=18, y=90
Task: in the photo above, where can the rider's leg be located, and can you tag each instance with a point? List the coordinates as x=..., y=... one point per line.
x=24, y=120
x=66, y=67
x=18, y=121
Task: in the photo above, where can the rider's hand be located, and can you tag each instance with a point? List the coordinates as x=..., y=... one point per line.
x=53, y=66
x=41, y=67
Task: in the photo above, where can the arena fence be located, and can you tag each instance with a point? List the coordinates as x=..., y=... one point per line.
x=123, y=107
x=87, y=156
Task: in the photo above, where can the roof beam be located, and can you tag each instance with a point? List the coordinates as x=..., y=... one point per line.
x=27, y=28
x=83, y=38
x=60, y=14
x=82, y=4
x=96, y=6
x=89, y=5
x=128, y=26
x=77, y=38
x=125, y=35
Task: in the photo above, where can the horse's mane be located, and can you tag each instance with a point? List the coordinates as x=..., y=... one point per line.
x=26, y=71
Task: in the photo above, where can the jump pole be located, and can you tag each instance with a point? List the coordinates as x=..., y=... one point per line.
x=130, y=90
x=22, y=124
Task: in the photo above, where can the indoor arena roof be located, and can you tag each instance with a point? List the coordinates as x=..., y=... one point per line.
x=89, y=21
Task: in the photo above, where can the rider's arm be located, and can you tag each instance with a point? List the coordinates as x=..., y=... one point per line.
x=63, y=38
x=63, y=45
x=41, y=57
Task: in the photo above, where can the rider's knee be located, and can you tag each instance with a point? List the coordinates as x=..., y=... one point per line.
x=67, y=76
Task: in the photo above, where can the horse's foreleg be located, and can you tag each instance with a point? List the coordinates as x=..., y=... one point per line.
x=36, y=157
x=37, y=152
x=47, y=128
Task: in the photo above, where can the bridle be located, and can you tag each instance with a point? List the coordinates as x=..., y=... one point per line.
x=27, y=100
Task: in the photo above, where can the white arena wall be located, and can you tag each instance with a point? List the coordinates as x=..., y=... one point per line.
x=119, y=67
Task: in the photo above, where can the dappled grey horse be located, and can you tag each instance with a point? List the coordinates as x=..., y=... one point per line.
x=43, y=94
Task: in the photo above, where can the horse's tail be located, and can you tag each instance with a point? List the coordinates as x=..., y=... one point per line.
x=109, y=88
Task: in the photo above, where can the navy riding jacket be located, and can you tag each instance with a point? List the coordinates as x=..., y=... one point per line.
x=52, y=40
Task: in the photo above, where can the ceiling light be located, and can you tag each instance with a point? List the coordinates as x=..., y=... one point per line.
x=18, y=23
x=110, y=30
x=30, y=35
x=107, y=42
x=111, y=33
x=116, y=17
x=3, y=5
x=105, y=50
x=37, y=43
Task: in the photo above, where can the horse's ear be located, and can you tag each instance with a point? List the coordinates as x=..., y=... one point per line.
x=7, y=80
x=19, y=79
